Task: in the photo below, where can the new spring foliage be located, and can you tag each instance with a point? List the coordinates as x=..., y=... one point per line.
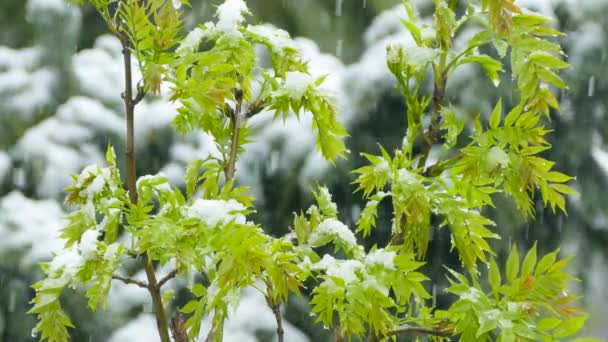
x=213, y=72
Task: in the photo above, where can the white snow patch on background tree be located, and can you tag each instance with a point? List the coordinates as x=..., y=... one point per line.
x=36, y=231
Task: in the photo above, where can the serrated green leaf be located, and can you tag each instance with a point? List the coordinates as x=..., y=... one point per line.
x=494, y=276
x=527, y=266
x=496, y=115
x=570, y=327
x=513, y=264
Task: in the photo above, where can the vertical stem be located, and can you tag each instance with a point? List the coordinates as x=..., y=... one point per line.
x=276, y=309
x=337, y=330
x=438, y=102
x=130, y=110
x=159, y=310
x=234, y=144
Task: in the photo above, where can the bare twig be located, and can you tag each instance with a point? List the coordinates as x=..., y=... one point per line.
x=128, y=280
x=141, y=93
x=276, y=309
x=255, y=108
x=236, y=126
x=127, y=97
x=438, y=103
x=166, y=278
x=178, y=328
x=411, y=329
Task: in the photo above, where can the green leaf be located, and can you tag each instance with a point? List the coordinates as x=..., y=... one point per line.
x=546, y=262
x=496, y=115
x=549, y=323
x=494, y=275
x=529, y=262
x=570, y=327
x=490, y=65
x=547, y=60
x=513, y=264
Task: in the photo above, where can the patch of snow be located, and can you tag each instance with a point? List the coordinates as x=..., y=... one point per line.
x=193, y=39
x=497, y=157
x=343, y=269
x=88, y=244
x=68, y=262
x=600, y=156
x=369, y=78
x=472, y=295
x=230, y=15
x=151, y=118
x=61, y=145
x=110, y=44
x=174, y=172
x=381, y=257
x=58, y=6
x=99, y=71
x=297, y=83
x=385, y=24
x=588, y=37
x=214, y=212
x=26, y=92
x=542, y=7
x=194, y=145
x=124, y=297
x=141, y=329
x=278, y=38
x=91, y=113
x=23, y=59
x=333, y=227
x=37, y=230
x=5, y=165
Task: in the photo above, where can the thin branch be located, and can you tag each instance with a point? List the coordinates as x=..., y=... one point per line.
x=255, y=108
x=178, y=328
x=127, y=97
x=438, y=103
x=159, y=309
x=141, y=93
x=166, y=278
x=234, y=145
x=456, y=58
x=157, y=300
x=276, y=309
x=128, y=280
x=411, y=329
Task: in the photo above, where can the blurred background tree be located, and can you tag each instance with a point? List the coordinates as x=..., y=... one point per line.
x=60, y=103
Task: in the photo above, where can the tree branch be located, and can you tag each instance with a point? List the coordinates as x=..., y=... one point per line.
x=157, y=300
x=411, y=329
x=128, y=280
x=130, y=102
x=276, y=309
x=438, y=103
x=234, y=144
x=166, y=278
x=255, y=108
